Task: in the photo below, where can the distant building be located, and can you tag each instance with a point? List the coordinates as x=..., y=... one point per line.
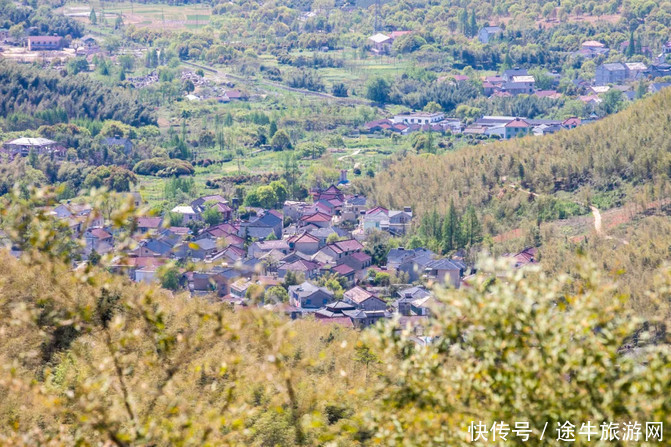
x=40, y=146
x=615, y=73
x=123, y=143
x=45, y=43
x=520, y=85
x=381, y=43
x=309, y=296
x=489, y=32
x=419, y=118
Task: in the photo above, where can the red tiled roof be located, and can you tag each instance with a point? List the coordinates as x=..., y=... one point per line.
x=303, y=237
x=149, y=222
x=317, y=217
x=361, y=256
x=518, y=123
x=343, y=269
x=348, y=245
x=100, y=233
x=45, y=39
x=377, y=209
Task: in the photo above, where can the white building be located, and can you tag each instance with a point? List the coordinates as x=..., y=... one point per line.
x=419, y=118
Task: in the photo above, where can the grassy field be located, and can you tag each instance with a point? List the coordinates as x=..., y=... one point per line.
x=149, y=15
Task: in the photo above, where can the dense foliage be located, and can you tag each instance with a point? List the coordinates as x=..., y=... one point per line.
x=606, y=159
x=27, y=90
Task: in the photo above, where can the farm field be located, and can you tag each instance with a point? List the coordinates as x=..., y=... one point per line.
x=154, y=16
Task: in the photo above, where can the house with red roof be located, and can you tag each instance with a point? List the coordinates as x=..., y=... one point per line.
x=318, y=219
x=304, y=243
x=364, y=300
x=147, y=224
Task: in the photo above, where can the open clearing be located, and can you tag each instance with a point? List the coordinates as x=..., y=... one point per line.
x=152, y=16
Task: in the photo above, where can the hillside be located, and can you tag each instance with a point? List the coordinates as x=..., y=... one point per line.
x=605, y=163
x=92, y=359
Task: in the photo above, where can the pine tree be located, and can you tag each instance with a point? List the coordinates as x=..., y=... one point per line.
x=473, y=25
x=631, y=48
x=471, y=231
x=93, y=17
x=450, y=231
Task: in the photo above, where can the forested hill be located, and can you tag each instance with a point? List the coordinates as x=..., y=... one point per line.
x=601, y=163
x=27, y=90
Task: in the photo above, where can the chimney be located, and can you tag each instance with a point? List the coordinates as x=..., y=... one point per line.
x=407, y=209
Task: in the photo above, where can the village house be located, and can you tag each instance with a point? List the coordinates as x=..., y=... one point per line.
x=188, y=214
x=333, y=252
x=262, y=227
x=98, y=240
x=309, y=297
x=45, y=43
x=318, y=219
x=117, y=142
x=419, y=118
x=409, y=261
x=363, y=299
x=260, y=248
x=304, y=243
x=445, y=271
x=487, y=33
x=409, y=302
x=40, y=146
x=519, y=85
x=309, y=269
x=381, y=43
x=149, y=224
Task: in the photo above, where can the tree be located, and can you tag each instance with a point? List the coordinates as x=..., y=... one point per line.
x=382, y=279
x=335, y=283
x=277, y=294
x=169, y=277
x=473, y=24
x=16, y=31
x=118, y=23
x=280, y=141
x=450, y=232
x=272, y=128
x=548, y=340
x=92, y=17
x=631, y=47
x=175, y=219
x=266, y=196
x=212, y=216
x=94, y=257
x=432, y=107
x=188, y=86
x=255, y=293
x=612, y=101
x=377, y=90
x=280, y=190
x=471, y=231
x=339, y=90
x=77, y=65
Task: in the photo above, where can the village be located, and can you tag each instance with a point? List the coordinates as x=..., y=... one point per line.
x=307, y=259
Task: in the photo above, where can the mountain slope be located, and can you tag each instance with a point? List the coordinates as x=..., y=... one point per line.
x=605, y=163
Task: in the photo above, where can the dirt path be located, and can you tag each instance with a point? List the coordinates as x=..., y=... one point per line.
x=356, y=152
x=597, y=219
x=598, y=228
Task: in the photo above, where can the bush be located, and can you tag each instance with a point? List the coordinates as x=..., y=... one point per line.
x=164, y=167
